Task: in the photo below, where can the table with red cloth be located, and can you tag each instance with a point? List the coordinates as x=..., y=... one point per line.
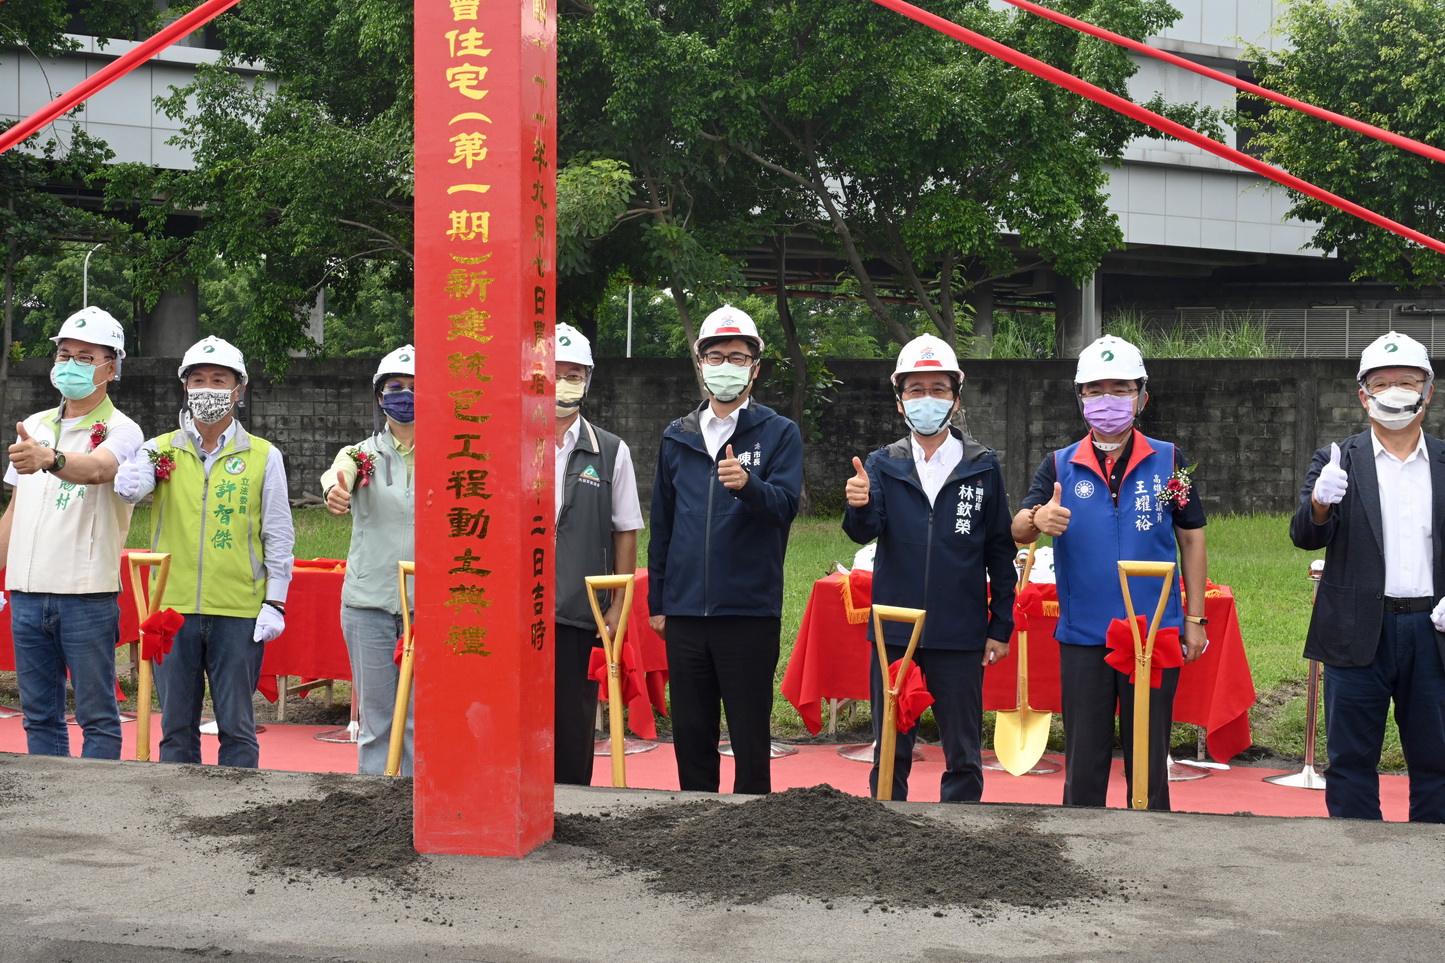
x=831, y=661
x=311, y=647
x=644, y=666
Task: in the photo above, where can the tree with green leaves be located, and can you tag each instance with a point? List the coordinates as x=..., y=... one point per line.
x=1377, y=61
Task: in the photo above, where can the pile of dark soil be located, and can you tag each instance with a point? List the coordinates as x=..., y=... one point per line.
x=825, y=844
x=345, y=833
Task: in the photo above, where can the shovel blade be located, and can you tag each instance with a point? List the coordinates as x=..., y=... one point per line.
x=1020, y=737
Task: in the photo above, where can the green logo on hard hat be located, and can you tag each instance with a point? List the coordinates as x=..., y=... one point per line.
x=1107, y=356
x=209, y=349
x=565, y=341
x=405, y=357
x=1392, y=346
x=80, y=323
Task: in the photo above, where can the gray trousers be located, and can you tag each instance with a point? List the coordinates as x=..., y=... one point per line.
x=371, y=636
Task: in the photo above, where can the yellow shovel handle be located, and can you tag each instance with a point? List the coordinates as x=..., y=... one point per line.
x=143, y=608
x=1143, y=667
x=612, y=652
x=888, y=735
x=403, y=681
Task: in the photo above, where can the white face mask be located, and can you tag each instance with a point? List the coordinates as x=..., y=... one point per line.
x=209, y=405
x=1395, y=407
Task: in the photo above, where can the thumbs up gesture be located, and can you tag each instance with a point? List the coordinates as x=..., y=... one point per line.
x=1332, y=483
x=858, y=490
x=28, y=455
x=338, y=499
x=731, y=472
x=1052, y=518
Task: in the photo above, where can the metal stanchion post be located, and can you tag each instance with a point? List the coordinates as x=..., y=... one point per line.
x=1308, y=778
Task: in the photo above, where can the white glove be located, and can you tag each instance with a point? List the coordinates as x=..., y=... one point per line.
x=269, y=624
x=1332, y=482
x=131, y=473
x=1438, y=616
x=3, y=600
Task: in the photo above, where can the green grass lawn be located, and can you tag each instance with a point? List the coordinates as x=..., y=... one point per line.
x=1250, y=553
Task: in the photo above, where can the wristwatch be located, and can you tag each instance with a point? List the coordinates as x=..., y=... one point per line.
x=59, y=461
x=1196, y=619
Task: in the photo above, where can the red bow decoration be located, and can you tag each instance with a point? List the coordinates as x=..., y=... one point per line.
x=1120, y=642
x=632, y=686
x=158, y=632
x=266, y=685
x=400, y=650
x=913, y=695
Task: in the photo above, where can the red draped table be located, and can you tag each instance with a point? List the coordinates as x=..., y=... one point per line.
x=831, y=660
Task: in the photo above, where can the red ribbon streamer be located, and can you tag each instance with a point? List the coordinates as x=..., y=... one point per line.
x=1359, y=126
x=115, y=70
x=158, y=633
x=1130, y=109
x=1120, y=642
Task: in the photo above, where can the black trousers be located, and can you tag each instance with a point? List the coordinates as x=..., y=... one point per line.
x=575, y=707
x=731, y=658
x=955, y=680
x=1092, y=691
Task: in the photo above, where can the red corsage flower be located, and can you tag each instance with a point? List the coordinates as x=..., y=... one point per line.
x=1175, y=492
x=365, y=467
x=97, y=435
x=163, y=463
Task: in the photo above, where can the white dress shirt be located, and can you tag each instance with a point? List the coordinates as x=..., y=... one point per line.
x=933, y=472
x=1405, y=500
x=717, y=430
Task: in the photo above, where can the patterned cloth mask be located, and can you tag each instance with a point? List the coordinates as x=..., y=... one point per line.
x=209, y=405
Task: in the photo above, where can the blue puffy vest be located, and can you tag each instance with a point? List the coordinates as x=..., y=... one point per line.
x=1140, y=528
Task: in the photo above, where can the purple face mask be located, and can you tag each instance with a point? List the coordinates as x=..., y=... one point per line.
x=1109, y=415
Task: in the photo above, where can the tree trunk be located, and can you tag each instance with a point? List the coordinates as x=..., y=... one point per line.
x=684, y=314
x=797, y=358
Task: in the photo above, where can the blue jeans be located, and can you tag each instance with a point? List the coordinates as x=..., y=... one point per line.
x=1407, y=668
x=371, y=636
x=54, y=633
x=218, y=648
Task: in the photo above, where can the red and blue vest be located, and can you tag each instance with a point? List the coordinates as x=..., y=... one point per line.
x=1100, y=534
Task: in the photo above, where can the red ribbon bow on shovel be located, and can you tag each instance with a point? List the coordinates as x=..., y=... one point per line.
x=913, y=695
x=158, y=632
x=1120, y=641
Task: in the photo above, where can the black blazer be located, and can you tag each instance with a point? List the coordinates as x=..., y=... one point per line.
x=1349, y=609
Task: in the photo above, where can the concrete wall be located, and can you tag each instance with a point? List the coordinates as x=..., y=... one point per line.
x=1251, y=425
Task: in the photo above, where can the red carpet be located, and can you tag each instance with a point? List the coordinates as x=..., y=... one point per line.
x=1239, y=789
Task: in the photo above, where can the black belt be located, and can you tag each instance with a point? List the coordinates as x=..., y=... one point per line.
x=1407, y=606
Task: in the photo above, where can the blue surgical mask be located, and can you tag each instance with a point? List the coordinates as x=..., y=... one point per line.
x=73, y=379
x=400, y=406
x=927, y=416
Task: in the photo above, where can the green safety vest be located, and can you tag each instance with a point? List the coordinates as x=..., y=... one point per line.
x=211, y=526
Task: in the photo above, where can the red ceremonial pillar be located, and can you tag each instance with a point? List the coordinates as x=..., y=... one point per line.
x=486, y=113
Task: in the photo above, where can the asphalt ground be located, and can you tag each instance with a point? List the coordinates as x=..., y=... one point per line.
x=95, y=868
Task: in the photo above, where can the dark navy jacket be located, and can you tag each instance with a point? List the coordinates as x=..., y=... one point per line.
x=935, y=557
x=715, y=551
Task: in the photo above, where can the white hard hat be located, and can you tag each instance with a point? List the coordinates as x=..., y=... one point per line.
x=213, y=350
x=1394, y=350
x=926, y=353
x=728, y=322
x=401, y=361
x=95, y=325
x=1110, y=357
x=572, y=346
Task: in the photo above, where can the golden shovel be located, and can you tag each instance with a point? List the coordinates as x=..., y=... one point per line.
x=403, y=682
x=1143, y=668
x=143, y=609
x=612, y=651
x=1021, y=735
x=888, y=736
